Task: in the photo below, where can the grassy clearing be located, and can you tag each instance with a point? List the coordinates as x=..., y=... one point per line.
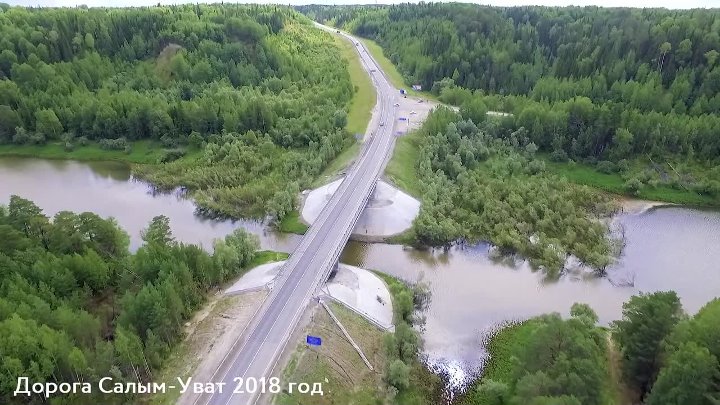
x=585, y=174
x=396, y=79
x=266, y=256
x=338, y=165
x=349, y=381
x=359, y=111
x=335, y=364
x=401, y=170
x=143, y=152
x=364, y=98
x=503, y=347
x=293, y=224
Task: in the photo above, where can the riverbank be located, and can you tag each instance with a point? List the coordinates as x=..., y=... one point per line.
x=614, y=184
x=141, y=152
x=509, y=342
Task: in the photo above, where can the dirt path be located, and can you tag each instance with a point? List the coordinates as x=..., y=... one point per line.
x=210, y=334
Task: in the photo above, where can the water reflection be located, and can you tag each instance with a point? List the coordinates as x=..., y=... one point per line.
x=667, y=248
x=472, y=291
x=107, y=188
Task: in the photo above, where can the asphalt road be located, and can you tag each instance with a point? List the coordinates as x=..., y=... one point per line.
x=255, y=353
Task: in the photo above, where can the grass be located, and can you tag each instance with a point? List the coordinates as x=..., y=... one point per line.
x=359, y=111
x=618, y=393
x=345, y=378
x=395, y=77
x=585, y=174
x=337, y=165
x=364, y=96
x=502, y=349
x=401, y=170
x=293, y=224
x=143, y=152
x=266, y=256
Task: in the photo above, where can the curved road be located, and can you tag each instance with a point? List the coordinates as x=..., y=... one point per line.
x=255, y=353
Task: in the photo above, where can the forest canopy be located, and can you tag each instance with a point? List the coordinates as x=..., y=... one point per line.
x=665, y=357
x=250, y=99
x=478, y=187
x=629, y=91
x=77, y=306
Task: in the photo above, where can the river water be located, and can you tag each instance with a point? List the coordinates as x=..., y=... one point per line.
x=108, y=189
x=667, y=248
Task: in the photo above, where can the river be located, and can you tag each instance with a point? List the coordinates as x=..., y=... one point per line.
x=666, y=248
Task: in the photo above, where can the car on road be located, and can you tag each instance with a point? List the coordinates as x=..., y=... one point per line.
x=412, y=113
x=382, y=124
x=397, y=104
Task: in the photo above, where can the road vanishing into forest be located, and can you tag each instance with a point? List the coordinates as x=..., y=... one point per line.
x=256, y=352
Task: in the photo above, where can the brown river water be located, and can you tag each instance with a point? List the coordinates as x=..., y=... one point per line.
x=666, y=248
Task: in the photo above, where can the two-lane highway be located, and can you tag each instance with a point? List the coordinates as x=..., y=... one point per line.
x=255, y=353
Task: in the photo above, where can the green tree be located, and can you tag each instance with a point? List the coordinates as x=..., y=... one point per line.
x=647, y=320
x=9, y=120
x=689, y=377
x=158, y=232
x=48, y=124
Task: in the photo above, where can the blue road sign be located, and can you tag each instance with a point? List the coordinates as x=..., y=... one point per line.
x=402, y=119
x=313, y=340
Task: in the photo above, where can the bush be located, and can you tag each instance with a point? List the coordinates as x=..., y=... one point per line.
x=114, y=144
x=633, y=185
x=623, y=165
x=399, y=375
x=82, y=141
x=606, y=167
x=170, y=155
x=559, y=156
x=168, y=141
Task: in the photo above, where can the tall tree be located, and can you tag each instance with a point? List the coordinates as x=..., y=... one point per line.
x=647, y=320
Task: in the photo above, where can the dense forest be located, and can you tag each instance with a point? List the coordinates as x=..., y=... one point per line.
x=254, y=92
x=476, y=186
x=634, y=91
x=76, y=305
x=665, y=357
